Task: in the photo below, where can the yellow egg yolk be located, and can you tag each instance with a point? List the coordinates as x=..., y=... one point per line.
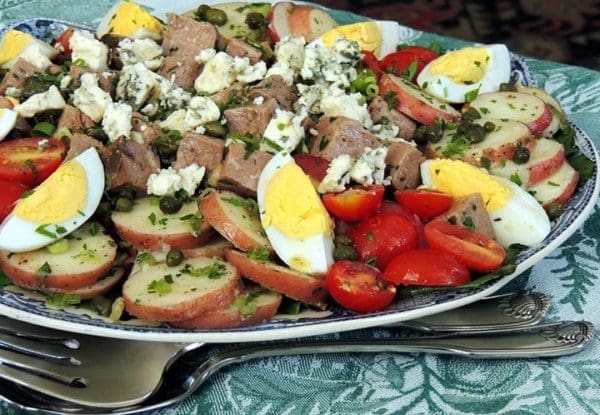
x=293, y=206
x=60, y=197
x=130, y=17
x=367, y=34
x=12, y=44
x=461, y=179
x=466, y=65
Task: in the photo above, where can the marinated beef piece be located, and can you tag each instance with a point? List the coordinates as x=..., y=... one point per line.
x=182, y=70
x=75, y=120
x=380, y=112
x=143, y=129
x=128, y=163
x=185, y=36
x=78, y=143
x=200, y=149
x=17, y=75
x=237, y=47
x=106, y=79
x=404, y=161
x=112, y=42
x=235, y=93
x=469, y=212
x=240, y=174
x=340, y=135
x=274, y=87
x=251, y=119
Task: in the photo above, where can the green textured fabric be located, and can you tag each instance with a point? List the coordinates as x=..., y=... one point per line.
x=389, y=383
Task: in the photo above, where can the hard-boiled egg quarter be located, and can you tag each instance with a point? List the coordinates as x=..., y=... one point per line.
x=462, y=74
x=8, y=119
x=516, y=216
x=129, y=19
x=57, y=207
x=293, y=216
x=16, y=44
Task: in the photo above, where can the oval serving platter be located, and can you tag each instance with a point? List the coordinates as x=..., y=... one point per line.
x=30, y=307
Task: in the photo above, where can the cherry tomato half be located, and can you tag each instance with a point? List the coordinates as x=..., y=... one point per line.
x=476, y=251
x=11, y=192
x=426, y=267
x=372, y=63
x=27, y=161
x=426, y=55
x=389, y=206
x=64, y=41
x=354, y=204
x=426, y=204
x=399, y=63
x=380, y=238
x=358, y=287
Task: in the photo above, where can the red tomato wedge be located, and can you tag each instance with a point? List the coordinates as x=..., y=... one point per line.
x=358, y=287
x=64, y=40
x=426, y=55
x=474, y=250
x=30, y=160
x=372, y=63
x=426, y=267
x=426, y=204
x=399, y=63
x=354, y=204
x=9, y=194
x=380, y=238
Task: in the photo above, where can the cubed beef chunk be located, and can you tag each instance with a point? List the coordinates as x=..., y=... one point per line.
x=144, y=130
x=200, y=149
x=78, y=143
x=240, y=173
x=340, y=135
x=182, y=70
x=405, y=165
x=234, y=94
x=17, y=75
x=470, y=212
x=112, y=42
x=107, y=80
x=380, y=112
x=251, y=119
x=75, y=120
x=185, y=36
x=237, y=47
x=274, y=87
x=128, y=164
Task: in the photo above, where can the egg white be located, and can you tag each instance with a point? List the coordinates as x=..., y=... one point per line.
x=19, y=235
x=521, y=220
x=8, y=119
x=445, y=88
x=140, y=33
x=315, y=250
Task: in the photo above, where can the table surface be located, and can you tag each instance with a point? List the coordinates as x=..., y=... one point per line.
x=398, y=383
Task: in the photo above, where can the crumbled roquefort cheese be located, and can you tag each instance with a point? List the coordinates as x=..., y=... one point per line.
x=338, y=175
x=284, y=132
x=146, y=51
x=116, y=121
x=369, y=167
x=89, y=98
x=49, y=100
x=89, y=50
x=169, y=181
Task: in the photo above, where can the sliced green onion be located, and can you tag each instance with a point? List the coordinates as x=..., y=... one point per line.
x=58, y=247
x=372, y=90
x=44, y=128
x=62, y=132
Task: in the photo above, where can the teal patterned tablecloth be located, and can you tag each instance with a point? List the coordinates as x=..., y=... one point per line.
x=399, y=383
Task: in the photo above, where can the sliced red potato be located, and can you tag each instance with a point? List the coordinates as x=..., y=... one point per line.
x=236, y=26
x=543, y=95
x=557, y=188
x=545, y=159
x=228, y=213
x=553, y=127
x=414, y=102
x=215, y=247
x=90, y=254
x=285, y=19
x=147, y=227
x=100, y=287
x=250, y=307
x=162, y=293
x=279, y=20
x=307, y=288
x=516, y=106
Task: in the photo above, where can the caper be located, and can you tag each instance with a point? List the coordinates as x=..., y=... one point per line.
x=170, y=204
x=345, y=252
x=434, y=132
x=200, y=12
x=471, y=114
x=123, y=204
x=174, y=257
x=256, y=21
x=101, y=305
x=126, y=193
x=489, y=126
x=508, y=87
x=474, y=133
x=103, y=209
x=554, y=210
x=419, y=136
x=216, y=17
x=521, y=155
x=215, y=128
x=342, y=239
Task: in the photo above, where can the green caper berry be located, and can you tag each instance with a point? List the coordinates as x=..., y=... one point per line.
x=200, y=12
x=554, y=210
x=434, y=132
x=174, y=257
x=215, y=128
x=126, y=193
x=471, y=115
x=508, y=87
x=345, y=252
x=123, y=204
x=489, y=126
x=474, y=133
x=521, y=155
x=256, y=21
x=216, y=17
x=169, y=204
x=419, y=136
x=104, y=209
x=342, y=239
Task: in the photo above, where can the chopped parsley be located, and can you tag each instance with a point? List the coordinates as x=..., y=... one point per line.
x=258, y=254
x=63, y=299
x=391, y=99
x=516, y=179
x=213, y=271
x=468, y=223
x=145, y=258
x=4, y=280
x=160, y=286
x=471, y=95
x=43, y=270
x=152, y=218
x=194, y=220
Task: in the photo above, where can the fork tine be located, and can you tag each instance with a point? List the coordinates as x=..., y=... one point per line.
x=23, y=330
x=52, y=352
x=14, y=366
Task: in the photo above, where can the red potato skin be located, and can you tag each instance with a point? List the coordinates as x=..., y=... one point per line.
x=272, y=29
x=101, y=287
x=567, y=193
x=538, y=126
x=310, y=290
x=543, y=170
x=230, y=318
x=64, y=282
x=155, y=242
x=209, y=250
x=299, y=22
x=411, y=106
